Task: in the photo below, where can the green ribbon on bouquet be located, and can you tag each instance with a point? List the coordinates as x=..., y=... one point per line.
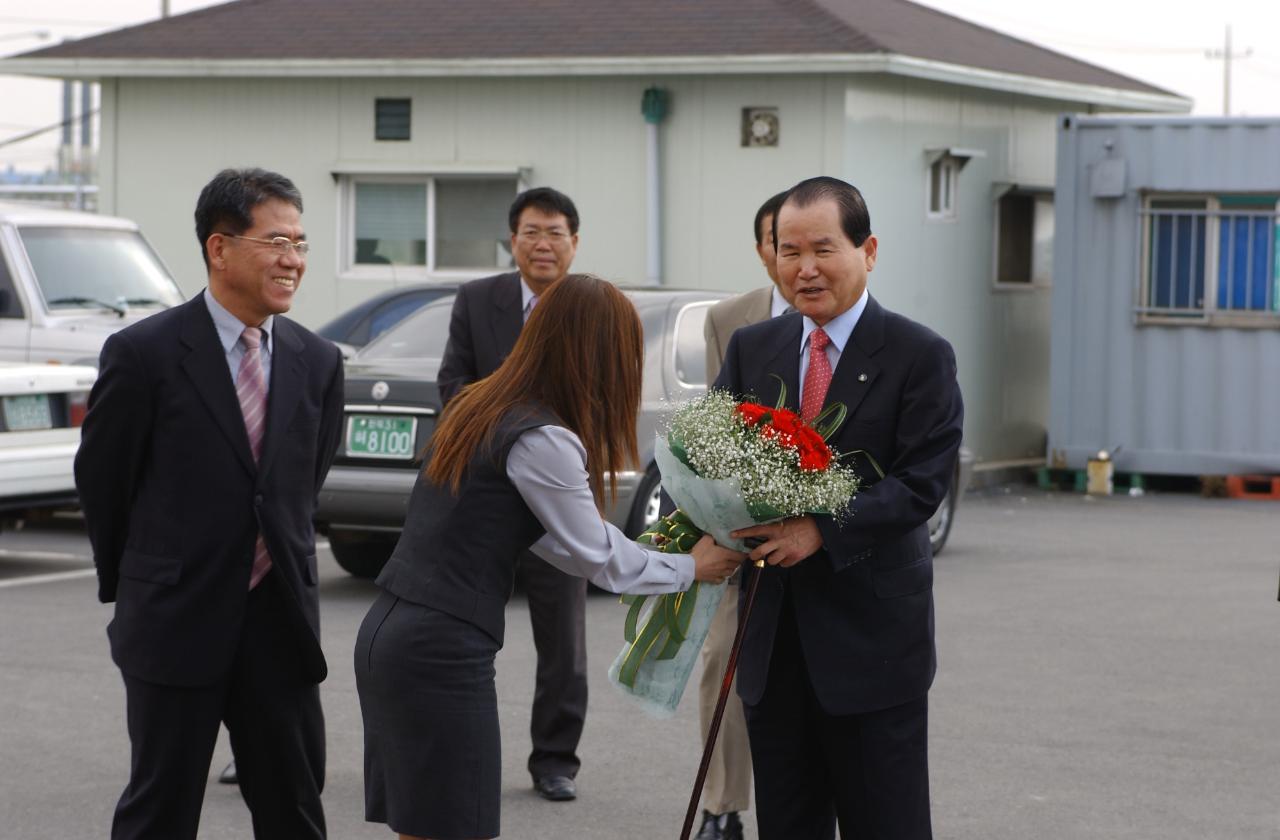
x=668, y=622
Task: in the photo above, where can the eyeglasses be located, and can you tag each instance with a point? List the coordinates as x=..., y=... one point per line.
x=553, y=235
x=282, y=244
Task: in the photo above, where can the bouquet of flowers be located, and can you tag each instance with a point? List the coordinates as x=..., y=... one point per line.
x=727, y=465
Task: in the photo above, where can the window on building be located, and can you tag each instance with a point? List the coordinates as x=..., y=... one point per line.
x=1024, y=238
x=943, y=176
x=942, y=180
x=391, y=119
x=406, y=225
x=391, y=224
x=1210, y=256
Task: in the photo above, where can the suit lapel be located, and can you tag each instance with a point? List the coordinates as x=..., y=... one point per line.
x=206, y=365
x=508, y=314
x=288, y=373
x=781, y=355
x=856, y=371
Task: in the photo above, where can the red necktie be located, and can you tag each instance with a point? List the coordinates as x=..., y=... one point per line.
x=251, y=389
x=818, y=378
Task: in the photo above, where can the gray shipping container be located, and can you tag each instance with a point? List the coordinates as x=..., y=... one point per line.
x=1166, y=294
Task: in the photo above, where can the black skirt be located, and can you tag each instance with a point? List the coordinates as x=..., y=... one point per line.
x=432, y=757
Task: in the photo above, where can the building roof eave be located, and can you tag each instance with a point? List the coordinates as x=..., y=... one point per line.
x=894, y=64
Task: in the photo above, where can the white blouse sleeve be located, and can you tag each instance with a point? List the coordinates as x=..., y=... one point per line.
x=547, y=465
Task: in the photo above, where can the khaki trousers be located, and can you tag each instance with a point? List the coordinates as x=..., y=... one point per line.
x=728, y=785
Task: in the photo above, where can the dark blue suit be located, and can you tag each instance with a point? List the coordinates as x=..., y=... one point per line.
x=173, y=502
x=839, y=653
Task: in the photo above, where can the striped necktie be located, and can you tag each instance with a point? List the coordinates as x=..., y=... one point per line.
x=251, y=390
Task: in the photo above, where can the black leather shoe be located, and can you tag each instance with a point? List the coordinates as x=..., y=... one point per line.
x=720, y=827
x=556, y=788
x=229, y=776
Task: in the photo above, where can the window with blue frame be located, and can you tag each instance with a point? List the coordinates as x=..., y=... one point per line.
x=1247, y=253
x=1207, y=254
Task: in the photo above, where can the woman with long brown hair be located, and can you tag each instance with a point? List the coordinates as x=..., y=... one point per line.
x=522, y=459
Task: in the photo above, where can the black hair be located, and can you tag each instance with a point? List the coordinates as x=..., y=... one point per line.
x=549, y=201
x=855, y=219
x=769, y=208
x=226, y=203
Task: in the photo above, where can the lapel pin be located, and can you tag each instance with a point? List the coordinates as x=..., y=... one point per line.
x=862, y=377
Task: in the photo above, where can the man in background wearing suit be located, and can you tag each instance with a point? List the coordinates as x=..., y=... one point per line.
x=209, y=432
x=838, y=656
x=728, y=787
x=488, y=315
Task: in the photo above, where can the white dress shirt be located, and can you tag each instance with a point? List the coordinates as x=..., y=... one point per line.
x=548, y=466
x=838, y=329
x=778, y=304
x=526, y=298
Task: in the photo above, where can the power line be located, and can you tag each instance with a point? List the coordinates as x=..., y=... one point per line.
x=45, y=129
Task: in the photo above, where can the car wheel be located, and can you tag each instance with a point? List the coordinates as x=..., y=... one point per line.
x=362, y=553
x=940, y=522
x=648, y=502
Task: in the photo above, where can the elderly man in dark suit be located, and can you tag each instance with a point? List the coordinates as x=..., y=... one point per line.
x=488, y=315
x=209, y=433
x=839, y=652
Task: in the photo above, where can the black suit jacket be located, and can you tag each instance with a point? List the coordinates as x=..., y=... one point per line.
x=487, y=319
x=864, y=602
x=174, y=502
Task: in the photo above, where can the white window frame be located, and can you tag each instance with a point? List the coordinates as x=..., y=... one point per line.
x=1208, y=314
x=348, y=269
x=950, y=160
x=949, y=182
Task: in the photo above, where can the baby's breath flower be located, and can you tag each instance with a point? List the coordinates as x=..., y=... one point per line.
x=719, y=445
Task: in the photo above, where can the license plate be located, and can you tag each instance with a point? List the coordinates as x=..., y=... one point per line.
x=381, y=436
x=27, y=413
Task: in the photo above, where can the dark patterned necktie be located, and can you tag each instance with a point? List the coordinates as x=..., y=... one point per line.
x=818, y=378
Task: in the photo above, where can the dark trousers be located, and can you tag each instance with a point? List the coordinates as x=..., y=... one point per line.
x=868, y=772
x=557, y=611
x=277, y=735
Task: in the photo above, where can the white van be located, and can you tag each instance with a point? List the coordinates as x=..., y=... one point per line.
x=69, y=279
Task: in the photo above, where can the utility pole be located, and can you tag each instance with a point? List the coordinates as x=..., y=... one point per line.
x=164, y=8
x=1227, y=57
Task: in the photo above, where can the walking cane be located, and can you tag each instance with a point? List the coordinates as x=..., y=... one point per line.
x=725, y=685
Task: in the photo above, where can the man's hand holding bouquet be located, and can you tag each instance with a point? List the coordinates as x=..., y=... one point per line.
x=737, y=471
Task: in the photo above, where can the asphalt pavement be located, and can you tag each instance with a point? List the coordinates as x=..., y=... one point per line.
x=1108, y=669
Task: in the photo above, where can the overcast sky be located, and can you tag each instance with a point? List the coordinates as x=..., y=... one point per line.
x=1162, y=42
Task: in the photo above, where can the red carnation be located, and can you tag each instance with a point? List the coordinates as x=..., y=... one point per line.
x=814, y=457
x=753, y=413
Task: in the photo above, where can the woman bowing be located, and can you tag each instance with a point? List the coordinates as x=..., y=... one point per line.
x=524, y=459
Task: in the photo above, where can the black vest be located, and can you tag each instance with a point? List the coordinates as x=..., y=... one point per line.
x=457, y=554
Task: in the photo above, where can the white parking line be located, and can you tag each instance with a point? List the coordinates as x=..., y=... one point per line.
x=26, y=554
x=32, y=580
